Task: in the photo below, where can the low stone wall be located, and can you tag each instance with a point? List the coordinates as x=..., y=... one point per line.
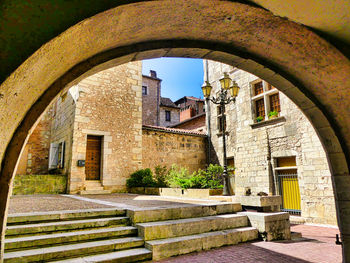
x=165, y=147
x=178, y=192
x=39, y=184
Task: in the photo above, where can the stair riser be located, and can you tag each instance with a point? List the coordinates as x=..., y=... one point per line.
x=53, y=228
x=45, y=217
x=190, y=228
x=147, y=215
x=210, y=240
x=73, y=253
x=67, y=239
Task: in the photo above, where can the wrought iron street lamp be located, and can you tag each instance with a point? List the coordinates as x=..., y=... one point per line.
x=228, y=93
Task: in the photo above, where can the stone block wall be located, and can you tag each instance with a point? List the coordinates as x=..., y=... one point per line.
x=174, y=116
x=63, y=124
x=150, y=101
x=109, y=105
x=39, y=184
x=251, y=143
x=165, y=148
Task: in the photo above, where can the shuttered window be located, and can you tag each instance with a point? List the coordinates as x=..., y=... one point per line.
x=260, y=108
x=275, y=103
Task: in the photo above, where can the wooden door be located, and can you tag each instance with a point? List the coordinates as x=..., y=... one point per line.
x=93, y=157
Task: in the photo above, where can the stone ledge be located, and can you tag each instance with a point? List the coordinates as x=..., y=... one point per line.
x=258, y=201
x=268, y=122
x=271, y=226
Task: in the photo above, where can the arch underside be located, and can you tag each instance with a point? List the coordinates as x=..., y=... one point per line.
x=311, y=72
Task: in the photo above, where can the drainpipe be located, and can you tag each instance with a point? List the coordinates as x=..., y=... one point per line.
x=207, y=103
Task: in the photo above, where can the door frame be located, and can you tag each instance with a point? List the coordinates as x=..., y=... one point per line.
x=100, y=153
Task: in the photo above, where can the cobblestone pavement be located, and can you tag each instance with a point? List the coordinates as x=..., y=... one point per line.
x=38, y=203
x=316, y=246
x=43, y=203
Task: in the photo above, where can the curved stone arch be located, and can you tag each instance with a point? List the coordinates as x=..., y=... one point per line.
x=287, y=55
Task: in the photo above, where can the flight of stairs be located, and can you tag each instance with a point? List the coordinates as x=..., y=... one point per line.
x=97, y=235
x=94, y=187
x=111, y=235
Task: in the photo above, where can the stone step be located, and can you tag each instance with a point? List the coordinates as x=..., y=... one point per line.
x=190, y=226
x=129, y=255
x=93, y=183
x=94, y=192
x=72, y=250
x=63, y=215
x=187, y=211
x=65, y=225
x=68, y=237
x=165, y=248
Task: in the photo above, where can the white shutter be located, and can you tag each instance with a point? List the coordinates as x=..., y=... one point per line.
x=53, y=157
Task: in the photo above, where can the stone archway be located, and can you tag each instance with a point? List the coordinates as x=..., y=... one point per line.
x=289, y=56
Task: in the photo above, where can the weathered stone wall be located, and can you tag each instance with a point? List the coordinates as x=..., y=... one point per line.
x=165, y=147
x=174, y=116
x=150, y=101
x=291, y=134
x=109, y=105
x=39, y=184
x=63, y=124
x=35, y=156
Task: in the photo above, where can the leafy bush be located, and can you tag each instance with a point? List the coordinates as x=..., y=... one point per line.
x=273, y=113
x=178, y=177
x=141, y=178
x=161, y=176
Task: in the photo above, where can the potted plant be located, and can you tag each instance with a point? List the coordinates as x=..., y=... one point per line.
x=259, y=118
x=273, y=114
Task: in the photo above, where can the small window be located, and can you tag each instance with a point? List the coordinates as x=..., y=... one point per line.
x=219, y=123
x=260, y=108
x=56, y=156
x=167, y=115
x=144, y=90
x=275, y=103
x=258, y=88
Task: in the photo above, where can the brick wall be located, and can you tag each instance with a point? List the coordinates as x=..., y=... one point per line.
x=167, y=148
x=35, y=156
x=187, y=114
x=196, y=123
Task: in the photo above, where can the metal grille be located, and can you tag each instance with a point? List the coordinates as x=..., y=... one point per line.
x=289, y=190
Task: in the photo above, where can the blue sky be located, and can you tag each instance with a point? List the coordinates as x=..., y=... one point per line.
x=180, y=76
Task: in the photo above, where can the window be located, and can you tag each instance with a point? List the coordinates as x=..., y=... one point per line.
x=167, y=115
x=56, y=158
x=219, y=118
x=265, y=100
x=275, y=103
x=258, y=88
x=144, y=90
x=260, y=108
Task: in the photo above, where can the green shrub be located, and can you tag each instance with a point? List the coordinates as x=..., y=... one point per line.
x=178, y=177
x=161, y=176
x=141, y=178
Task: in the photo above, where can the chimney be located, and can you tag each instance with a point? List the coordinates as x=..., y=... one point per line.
x=153, y=73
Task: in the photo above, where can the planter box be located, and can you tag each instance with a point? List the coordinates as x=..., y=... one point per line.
x=178, y=192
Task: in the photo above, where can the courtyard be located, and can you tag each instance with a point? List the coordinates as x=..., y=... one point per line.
x=317, y=243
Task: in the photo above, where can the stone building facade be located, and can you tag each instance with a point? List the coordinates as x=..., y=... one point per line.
x=287, y=143
x=157, y=110
x=93, y=134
